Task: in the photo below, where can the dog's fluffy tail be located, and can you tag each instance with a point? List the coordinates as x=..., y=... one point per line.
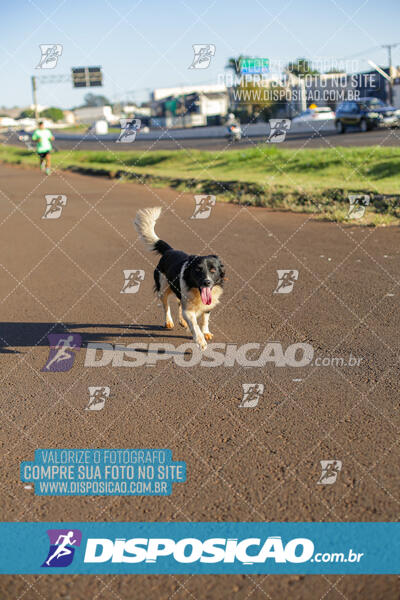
x=144, y=222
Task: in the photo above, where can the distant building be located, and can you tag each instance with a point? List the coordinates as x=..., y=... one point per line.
x=136, y=111
x=189, y=106
x=329, y=89
x=69, y=117
x=90, y=114
x=7, y=122
x=13, y=112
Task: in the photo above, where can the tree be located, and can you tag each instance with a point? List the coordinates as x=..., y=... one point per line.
x=333, y=70
x=301, y=66
x=95, y=100
x=27, y=114
x=255, y=101
x=234, y=64
x=53, y=113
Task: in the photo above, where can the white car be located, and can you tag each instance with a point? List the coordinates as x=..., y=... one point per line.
x=314, y=114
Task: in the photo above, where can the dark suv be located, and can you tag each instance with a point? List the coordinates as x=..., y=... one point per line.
x=365, y=113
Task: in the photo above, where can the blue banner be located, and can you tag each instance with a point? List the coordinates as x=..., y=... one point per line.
x=200, y=548
x=103, y=472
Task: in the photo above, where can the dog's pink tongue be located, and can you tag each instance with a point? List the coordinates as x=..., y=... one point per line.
x=206, y=296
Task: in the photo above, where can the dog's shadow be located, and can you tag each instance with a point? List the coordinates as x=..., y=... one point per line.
x=27, y=335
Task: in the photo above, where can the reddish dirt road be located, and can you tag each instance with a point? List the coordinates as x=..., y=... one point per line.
x=243, y=464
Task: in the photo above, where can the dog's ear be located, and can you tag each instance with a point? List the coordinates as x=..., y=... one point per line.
x=221, y=268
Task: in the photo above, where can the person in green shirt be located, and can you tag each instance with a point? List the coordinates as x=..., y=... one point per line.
x=43, y=138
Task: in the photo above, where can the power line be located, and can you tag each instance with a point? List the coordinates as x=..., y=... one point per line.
x=359, y=53
x=369, y=50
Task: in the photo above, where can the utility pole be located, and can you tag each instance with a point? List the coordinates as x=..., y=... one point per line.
x=35, y=106
x=45, y=79
x=389, y=49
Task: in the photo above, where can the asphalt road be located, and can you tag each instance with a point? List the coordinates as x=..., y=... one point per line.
x=166, y=141
x=243, y=464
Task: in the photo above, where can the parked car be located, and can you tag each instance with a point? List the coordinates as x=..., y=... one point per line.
x=366, y=113
x=390, y=114
x=314, y=114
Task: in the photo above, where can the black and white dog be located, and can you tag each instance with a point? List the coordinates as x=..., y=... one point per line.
x=196, y=281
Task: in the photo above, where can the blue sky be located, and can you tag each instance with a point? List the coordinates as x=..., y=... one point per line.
x=144, y=44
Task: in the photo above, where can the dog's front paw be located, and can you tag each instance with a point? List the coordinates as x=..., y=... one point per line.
x=183, y=323
x=202, y=344
x=169, y=324
x=208, y=336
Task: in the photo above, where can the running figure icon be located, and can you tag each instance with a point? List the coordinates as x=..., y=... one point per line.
x=203, y=54
x=330, y=471
x=62, y=351
x=63, y=543
x=286, y=280
x=54, y=205
x=278, y=130
x=50, y=53
x=204, y=204
x=133, y=279
x=62, y=549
